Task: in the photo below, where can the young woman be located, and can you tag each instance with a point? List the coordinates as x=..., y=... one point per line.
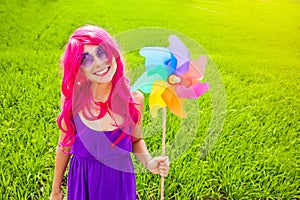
x=100, y=122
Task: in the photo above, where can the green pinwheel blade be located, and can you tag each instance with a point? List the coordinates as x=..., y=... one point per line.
x=145, y=81
x=160, y=70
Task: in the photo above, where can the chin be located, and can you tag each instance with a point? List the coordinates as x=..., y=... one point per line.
x=104, y=80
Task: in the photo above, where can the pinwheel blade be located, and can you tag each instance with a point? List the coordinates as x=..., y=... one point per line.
x=155, y=100
x=174, y=103
x=195, y=73
x=181, y=53
x=160, y=70
x=172, y=64
x=198, y=67
x=192, y=92
x=155, y=56
x=145, y=81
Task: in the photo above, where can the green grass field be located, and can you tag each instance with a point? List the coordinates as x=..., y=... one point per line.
x=255, y=45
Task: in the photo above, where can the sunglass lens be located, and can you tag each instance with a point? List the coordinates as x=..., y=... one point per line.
x=87, y=59
x=100, y=53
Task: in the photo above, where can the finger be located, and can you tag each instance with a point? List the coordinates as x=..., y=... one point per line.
x=155, y=171
x=157, y=159
x=163, y=174
x=164, y=171
x=164, y=164
x=165, y=159
x=163, y=168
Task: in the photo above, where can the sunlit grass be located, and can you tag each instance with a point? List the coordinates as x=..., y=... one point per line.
x=255, y=45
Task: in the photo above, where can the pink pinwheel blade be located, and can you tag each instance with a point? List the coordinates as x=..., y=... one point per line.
x=198, y=67
x=195, y=73
x=192, y=92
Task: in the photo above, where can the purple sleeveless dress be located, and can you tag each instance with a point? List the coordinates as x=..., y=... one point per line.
x=97, y=170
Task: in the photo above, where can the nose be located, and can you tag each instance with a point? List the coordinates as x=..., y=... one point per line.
x=99, y=62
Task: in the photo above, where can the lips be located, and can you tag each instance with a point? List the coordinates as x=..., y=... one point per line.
x=102, y=72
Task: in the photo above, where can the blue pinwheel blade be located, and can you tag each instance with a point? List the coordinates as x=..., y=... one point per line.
x=181, y=53
x=155, y=56
x=172, y=63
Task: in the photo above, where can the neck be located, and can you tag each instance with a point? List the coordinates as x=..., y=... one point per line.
x=101, y=91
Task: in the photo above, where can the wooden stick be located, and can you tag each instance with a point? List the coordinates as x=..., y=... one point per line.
x=163, y=150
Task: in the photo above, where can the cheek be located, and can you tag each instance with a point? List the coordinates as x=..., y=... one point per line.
x=114, y=67
x=85, y=71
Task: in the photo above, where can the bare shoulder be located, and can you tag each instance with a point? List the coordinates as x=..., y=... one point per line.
x=138, y=97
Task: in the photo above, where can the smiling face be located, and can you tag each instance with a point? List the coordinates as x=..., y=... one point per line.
x=95, y=64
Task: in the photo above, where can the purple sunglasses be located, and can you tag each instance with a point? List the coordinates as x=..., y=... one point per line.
x=88, y=59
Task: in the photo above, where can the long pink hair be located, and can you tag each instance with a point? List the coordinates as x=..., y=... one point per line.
x=76, y=88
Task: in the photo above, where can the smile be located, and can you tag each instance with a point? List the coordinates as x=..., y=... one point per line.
x=102, y=72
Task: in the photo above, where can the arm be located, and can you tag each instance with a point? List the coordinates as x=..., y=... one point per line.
x=61, y=163
x=157, y=165
x=141, y=152
x=139, y=147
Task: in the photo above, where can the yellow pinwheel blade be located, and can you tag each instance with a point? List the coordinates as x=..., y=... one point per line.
x=155, y=100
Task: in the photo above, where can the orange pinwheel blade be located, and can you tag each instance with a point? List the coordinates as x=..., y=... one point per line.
x=174, y=103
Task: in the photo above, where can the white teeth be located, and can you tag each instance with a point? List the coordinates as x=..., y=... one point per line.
x=103, y=71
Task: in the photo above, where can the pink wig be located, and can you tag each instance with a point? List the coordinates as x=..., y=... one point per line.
x=77, y=91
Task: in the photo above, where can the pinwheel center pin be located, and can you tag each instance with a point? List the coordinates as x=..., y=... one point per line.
x=173, y=79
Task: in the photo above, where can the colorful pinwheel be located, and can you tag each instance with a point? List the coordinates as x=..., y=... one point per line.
x=171, y=77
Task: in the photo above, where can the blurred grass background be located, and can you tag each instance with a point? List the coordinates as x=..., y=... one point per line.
x=255, y=45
